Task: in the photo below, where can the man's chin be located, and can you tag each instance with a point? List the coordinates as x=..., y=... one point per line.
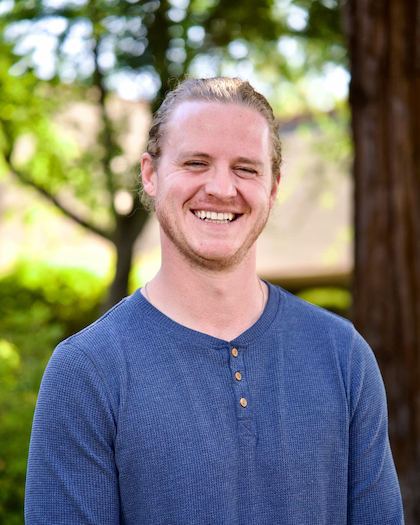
x=213, y=261
x=212, y=255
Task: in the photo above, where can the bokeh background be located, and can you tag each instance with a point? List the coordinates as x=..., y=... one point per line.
x=79, y=81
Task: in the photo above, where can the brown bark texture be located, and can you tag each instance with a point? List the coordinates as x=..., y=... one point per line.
x=127, y=229
x=384, y=44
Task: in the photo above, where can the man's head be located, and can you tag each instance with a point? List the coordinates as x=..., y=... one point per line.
x=219, y=89
x=209, y=167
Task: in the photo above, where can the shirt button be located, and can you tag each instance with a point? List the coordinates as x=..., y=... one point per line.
x=234, y=352
x=238, y=376
x=243, y=402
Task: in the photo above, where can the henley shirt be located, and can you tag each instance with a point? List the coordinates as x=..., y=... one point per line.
x=142, y=421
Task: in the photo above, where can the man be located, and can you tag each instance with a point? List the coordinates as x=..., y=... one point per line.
x=210, y=396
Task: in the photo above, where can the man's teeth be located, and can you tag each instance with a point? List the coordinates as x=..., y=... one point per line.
x=215, y=216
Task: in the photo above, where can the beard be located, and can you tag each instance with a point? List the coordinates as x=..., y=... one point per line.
x=211, y=261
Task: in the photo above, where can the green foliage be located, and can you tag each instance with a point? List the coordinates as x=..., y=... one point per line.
x=337, y=300
x=24, y=105
x=330, y=137
x=137, y=49
x=323, y=25
x=39, y=306
x=336, y=145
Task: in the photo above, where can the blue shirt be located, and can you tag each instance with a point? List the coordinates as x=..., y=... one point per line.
x=142, y=421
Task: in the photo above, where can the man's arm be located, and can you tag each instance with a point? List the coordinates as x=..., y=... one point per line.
x=72, y=476
x=374, y=494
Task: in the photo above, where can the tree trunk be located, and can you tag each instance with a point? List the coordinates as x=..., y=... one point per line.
x=384, y=44
x=127, y=230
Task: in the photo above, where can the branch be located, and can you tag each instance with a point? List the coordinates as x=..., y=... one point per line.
x=21, y=177
x=107, y=132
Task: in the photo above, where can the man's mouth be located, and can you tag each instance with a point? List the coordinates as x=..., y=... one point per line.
x=215, y=217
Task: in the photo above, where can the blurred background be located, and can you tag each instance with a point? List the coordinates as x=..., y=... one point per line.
x=79, y=81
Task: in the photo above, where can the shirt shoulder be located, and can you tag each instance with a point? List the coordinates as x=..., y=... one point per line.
x=317, y=333
x=108, y=346
x=309, y=314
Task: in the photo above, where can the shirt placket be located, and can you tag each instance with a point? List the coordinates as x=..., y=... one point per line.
x=243, y=402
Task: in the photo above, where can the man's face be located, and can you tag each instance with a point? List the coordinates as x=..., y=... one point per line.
x=213, y=184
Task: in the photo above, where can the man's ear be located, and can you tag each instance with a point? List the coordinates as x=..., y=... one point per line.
x=274, y=190
x=148, y=174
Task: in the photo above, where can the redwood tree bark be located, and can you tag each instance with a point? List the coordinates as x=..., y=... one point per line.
x=384, y=44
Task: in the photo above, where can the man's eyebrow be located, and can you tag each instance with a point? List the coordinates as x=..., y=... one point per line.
x=186, y=154
x=250, y=160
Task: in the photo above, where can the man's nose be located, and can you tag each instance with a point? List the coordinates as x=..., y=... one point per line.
x=221, y=183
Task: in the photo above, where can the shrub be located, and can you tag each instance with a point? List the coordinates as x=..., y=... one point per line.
x=39, y=306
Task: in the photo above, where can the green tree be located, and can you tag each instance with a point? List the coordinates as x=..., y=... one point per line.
x=94, y=48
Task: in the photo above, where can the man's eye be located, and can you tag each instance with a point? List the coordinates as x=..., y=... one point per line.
x=246, y=172
x=195, y=164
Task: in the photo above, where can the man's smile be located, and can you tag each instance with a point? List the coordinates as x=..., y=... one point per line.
x=215, y=217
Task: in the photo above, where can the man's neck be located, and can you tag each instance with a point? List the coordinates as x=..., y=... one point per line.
x=221, y=303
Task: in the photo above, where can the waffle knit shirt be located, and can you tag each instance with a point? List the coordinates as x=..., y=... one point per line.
x=142, y=421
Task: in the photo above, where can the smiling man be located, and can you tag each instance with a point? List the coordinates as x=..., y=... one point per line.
x=210, y=396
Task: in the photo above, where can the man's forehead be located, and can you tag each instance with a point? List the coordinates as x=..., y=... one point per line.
x=210, y=117
x=190, y=107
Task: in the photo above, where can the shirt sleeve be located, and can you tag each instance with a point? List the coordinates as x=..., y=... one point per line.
x=71, y=475
x=373, y=494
